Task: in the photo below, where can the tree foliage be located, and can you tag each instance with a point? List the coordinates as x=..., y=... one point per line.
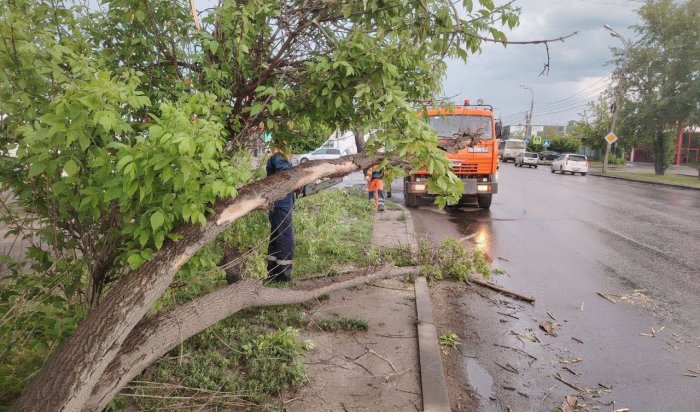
x=131, y=121
x=662, y=75
x=564, y=145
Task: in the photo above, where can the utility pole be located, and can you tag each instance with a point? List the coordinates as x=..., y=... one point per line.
x=528, y=126
x=618, y=92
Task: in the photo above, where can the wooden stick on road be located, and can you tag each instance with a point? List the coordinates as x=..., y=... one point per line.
x=500, y=289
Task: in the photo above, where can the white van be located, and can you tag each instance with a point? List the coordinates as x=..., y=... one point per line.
x=509, y=149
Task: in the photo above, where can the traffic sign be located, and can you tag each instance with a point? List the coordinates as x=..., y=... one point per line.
x=611, y=138
x=537, y=139
x=526, y=139
x=546, y=143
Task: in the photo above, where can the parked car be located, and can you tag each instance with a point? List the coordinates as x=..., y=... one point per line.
x=323, y=153
x=570, y=162
x=548, y=155
x=528, y=159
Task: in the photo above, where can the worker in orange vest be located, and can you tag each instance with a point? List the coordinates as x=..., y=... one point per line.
x=375, y=187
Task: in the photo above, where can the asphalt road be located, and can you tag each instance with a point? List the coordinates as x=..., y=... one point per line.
x=562, y=239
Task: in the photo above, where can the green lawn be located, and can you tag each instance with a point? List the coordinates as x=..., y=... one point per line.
x=690, y=181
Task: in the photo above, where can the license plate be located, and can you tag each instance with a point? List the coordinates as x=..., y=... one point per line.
x=576, y=169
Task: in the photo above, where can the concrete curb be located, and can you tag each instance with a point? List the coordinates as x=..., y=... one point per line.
x=410, y=229
x=432, y=376
x=643, y=181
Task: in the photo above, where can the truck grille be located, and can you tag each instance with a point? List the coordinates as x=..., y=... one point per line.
x=465, y=168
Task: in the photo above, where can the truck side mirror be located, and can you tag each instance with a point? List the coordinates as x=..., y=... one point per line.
x=499, y=129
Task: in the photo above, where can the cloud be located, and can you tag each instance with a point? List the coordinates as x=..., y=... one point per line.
x=575, y=65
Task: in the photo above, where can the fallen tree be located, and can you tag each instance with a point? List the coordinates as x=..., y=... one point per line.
x=97, y=340
x=156, y=335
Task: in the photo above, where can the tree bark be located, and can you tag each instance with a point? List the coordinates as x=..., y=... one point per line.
x=359, y=139
x=155, y=336
x=70, y=374
x=660, y=153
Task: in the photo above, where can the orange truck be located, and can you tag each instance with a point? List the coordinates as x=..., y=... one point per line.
x=477, y=166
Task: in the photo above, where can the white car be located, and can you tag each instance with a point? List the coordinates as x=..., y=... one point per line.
x=528, y=159
x=570, y=162
x=323, y=153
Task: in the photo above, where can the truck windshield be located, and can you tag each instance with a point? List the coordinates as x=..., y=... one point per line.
x=449, y=125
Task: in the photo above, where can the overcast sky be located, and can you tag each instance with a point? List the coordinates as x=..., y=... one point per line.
x=578, y=67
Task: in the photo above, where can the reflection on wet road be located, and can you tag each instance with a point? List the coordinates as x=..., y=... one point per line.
x=564, y=238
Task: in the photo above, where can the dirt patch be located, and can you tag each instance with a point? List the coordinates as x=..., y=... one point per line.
x=374, y=370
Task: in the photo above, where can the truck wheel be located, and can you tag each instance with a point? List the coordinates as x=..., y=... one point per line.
x=484, y=201
x=410, y=199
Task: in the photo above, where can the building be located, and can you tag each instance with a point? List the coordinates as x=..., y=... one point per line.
x=687, y=149
x=546, y=131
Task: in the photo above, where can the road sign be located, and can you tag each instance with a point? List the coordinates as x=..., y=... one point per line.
x=611, y=138
x=537, y=139
x=526, y=139
x=546, y=143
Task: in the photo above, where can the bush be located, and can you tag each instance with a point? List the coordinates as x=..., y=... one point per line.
x=564, y=145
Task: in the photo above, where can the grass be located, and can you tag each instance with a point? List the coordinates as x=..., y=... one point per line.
x=256, y=354
x=338, y=324
x=682, y=180
x=449, y=340
x=391, y=205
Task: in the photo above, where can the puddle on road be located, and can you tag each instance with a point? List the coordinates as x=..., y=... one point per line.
x=479, y=379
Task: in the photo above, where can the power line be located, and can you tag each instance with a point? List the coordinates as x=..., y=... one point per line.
x=579, y=99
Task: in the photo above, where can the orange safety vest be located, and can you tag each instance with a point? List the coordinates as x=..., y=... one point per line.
x=374, y=184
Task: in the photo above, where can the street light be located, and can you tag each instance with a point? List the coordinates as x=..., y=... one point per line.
x=528, y=126
x=618, y=92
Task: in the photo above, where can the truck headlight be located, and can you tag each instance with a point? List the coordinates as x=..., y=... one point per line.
x=482, y=188
x=418, y=187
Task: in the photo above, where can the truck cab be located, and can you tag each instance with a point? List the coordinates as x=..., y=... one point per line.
x=475, y=165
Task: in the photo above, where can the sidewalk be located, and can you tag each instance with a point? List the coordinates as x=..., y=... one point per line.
x=373, y=370
x=648, y=168
x=684, y=177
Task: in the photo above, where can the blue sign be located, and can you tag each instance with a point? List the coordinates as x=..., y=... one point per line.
x=526, y=139
x=546, y=143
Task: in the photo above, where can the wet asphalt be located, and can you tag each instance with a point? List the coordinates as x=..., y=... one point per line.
x=562, y=239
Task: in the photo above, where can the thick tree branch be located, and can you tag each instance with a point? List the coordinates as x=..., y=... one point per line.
x=155, y=336
x=98, y=339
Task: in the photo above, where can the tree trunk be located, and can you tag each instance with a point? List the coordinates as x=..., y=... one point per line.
x=69, y=376
x=359, y=139
x=660, y=153
x=155, y=336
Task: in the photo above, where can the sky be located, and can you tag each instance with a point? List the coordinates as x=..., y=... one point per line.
x=579, y=67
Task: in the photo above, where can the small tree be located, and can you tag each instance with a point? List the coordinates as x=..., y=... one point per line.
x=565, y=145
x=534, y=147
x=662, y=75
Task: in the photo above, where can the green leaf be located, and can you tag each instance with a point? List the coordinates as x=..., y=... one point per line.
x=256, y=109
x=113, y=193
x=214, y=46
x=71, y=168
x=157, y=220
x=123, y=161
x=36, y=169
x=135, y=261
x=338, y=101
x=219, y=188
